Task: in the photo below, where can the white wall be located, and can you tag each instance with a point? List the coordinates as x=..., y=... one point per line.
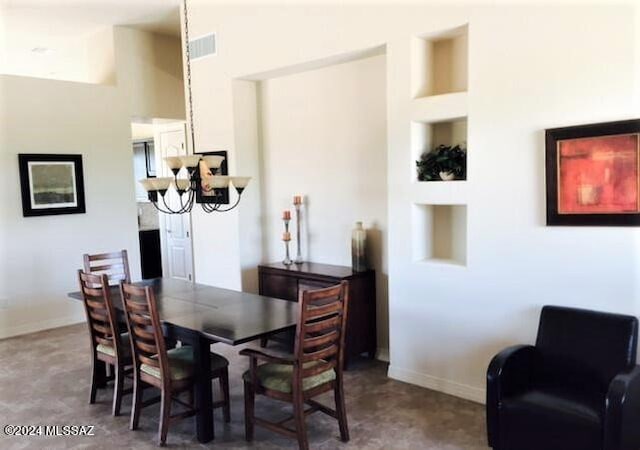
x=530, y=68
x=324, y=137
x=149, y=71
x=39, y=255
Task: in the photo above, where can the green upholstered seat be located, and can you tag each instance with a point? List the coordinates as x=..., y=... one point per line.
x=278, y=377
x=111, y=351
x=181, y=363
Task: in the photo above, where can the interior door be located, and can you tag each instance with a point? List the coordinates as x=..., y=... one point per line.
x=177, y=227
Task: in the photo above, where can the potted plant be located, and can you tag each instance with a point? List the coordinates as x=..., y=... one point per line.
x=443, y=163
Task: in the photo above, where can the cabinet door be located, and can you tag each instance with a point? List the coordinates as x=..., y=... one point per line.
x=279, y=286
x=150, y=157
x=139, y=170
x=150, y=256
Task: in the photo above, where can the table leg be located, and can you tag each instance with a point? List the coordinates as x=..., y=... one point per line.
x=100, y=368
x=204, y=402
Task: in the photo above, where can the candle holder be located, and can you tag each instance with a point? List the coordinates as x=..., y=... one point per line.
x=298, y=249
x=286, y=238
x=287, y=259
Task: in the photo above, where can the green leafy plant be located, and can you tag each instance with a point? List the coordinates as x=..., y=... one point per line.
x=445, y=159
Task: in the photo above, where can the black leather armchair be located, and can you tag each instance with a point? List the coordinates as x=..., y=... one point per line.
x=578, y=388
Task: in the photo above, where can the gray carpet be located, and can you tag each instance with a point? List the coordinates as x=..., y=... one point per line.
x=44, y=380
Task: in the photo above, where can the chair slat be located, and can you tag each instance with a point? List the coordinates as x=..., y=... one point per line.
x=137, y=306
x=103, y=341
x=321, y=325
x=106, y=331
x=99, y=317
x=96, y=304
x=141, y=320
x=150, y=361
x=312, y=342
x=112, y=266
x=324, y=310
x=321, y=354
x=151, y=349
x=101, y=256
x=92, y=291
x=143, y=333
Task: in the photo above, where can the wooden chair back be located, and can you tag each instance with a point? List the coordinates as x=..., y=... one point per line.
x=101, y=315
x=145, y=329
x=115, y=265
x=321, y=328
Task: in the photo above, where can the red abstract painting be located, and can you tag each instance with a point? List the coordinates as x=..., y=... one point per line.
x=599, y=175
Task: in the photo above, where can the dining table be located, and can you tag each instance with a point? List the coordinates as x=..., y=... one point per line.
x=199, y=315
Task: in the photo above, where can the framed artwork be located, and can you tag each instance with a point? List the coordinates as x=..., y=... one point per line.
x=210, y=197
x=51, y=184
x=593, y=174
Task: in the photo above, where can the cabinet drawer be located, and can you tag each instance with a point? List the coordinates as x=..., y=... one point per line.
x=279, y=286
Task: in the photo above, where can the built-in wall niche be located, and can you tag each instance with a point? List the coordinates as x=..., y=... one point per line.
x=440, y=234
x=426, y=136
x=439, y=63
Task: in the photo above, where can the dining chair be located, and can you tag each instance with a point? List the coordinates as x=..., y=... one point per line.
x=314, y=367
x=172, y=371
x=109, y=348
x=115, y=265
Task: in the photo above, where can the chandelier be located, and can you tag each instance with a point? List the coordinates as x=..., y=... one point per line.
x=204, y=183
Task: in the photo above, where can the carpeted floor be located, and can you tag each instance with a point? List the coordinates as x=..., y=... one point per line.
x=44, y=380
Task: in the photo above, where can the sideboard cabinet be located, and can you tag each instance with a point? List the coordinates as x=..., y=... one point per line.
x=286, y=282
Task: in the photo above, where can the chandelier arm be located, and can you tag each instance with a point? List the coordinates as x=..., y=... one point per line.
x=206, y=207
x=188, y=206
x=232, y=207
x=182, y=204
x=192, y=200
x=159, y=208
x=172, y=211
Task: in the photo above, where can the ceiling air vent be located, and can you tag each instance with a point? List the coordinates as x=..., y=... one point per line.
x=203, y=46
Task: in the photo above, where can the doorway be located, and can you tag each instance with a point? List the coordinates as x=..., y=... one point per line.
x=165, y=240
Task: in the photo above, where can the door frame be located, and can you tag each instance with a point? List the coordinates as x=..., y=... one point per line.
x=158, y=130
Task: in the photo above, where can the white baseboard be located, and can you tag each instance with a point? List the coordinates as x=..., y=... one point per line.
x=382, y=354
x=26, y=328
x=467, y=392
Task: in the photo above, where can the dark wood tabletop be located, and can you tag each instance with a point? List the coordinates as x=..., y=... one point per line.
x=221, y=315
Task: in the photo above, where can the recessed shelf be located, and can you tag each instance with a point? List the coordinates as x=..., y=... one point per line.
x=439, y=63
x=439, y=107
x=426, y=136
x=440, y=233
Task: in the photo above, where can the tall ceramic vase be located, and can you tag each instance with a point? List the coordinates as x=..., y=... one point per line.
x=359, y=248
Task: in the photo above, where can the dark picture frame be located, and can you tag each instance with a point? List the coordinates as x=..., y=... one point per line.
x=223, y=198
x=593, y=174
x=51, y=184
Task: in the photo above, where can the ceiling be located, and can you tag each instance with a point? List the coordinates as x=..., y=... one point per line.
x=52, y=38
x=80, y=17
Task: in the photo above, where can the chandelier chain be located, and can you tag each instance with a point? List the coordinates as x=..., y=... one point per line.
x=188, y=58
x=194, y=187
